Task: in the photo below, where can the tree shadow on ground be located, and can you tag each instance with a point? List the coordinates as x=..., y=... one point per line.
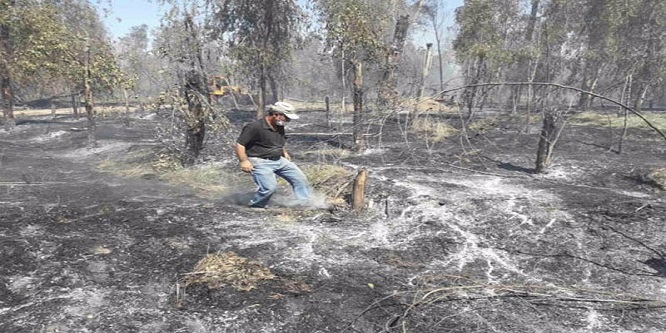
x=20, y=122
x=596, y=145
x=658, y=264
x=643, y=180
x=512, y=167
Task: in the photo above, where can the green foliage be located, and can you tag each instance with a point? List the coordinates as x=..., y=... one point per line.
x=487, y=27
x=354, y=28
x=615, y=47
x=260, y=36
x=135, y=57
x=33, y=41
x=179, y=119
x=46, y=46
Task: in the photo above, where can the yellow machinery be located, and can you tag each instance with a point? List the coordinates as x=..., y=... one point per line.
x=221, y=87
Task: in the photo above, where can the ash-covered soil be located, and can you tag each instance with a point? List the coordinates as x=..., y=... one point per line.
x=459, y=236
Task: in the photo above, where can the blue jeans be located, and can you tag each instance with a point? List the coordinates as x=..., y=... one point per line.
x=264, y=175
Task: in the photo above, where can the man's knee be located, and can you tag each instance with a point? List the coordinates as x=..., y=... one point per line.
x=269, y=188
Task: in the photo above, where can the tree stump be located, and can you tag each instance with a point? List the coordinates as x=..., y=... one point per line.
x=358, y=192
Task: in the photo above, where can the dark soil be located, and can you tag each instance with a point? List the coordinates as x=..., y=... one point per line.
x=458, y=236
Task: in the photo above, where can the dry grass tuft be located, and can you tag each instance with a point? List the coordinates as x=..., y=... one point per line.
x=658, y=176
x=296, y=286
x=435, y=131
x=210, y=181
x=126, y=170
x=101, y=249
x=328, y=179
x=136, y=164
x=215, y=180
x=426, y=105
x=228, y=269
x=484, y=124
x=166, y=163
x=325, y=155
x=617, y=120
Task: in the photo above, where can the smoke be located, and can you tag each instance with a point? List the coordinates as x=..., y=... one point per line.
x=282, y=198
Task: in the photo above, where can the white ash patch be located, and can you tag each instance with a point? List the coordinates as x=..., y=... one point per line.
x=32, y=230
x=478, y=203
x=110, y=147
x=21, y=284
x=635, y=194
x=595, y=320
x=562, y=172
x=84, y=303
x=48, y=137
x=374, y=151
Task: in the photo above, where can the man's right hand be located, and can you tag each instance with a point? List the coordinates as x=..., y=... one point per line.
x=246, y=166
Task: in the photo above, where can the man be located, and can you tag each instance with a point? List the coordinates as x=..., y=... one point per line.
x=261, y=151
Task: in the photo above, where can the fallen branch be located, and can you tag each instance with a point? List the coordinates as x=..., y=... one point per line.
x=568, y=255
x=25, y=183
x=537, y=293
x=319, y=134
x=659, y=253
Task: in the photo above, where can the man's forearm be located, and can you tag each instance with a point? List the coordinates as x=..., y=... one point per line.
x=240, y=152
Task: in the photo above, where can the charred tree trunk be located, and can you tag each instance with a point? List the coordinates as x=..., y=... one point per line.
x=262, y=91
x=424, y=73
x=438, y=40
x=357, y=91
x=87, y=91
x=514, y=99
x=275, y=95
x=264, y=67
x=53, y=107
x=626, y=96
x=328, y=111
x=589, y=81
x=5, y=78
x=546, y=142
x=387, y=91
x=197, y=96
x=75, y=104
x=531, y=24
x=90, y=113
x=343, y=79
x=471, y=94
x=127, y=107
x=7, y=101
x=195, y=92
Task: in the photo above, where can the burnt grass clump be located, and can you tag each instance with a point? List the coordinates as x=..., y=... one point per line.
x=459, y=234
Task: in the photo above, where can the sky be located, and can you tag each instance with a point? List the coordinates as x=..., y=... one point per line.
x=120, y=16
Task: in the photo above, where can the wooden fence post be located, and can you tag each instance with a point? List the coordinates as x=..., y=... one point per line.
x=328, y=111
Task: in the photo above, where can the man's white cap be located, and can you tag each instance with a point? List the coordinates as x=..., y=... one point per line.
x=284, y=108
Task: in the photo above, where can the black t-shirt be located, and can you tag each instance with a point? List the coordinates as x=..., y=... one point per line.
x=260, y=140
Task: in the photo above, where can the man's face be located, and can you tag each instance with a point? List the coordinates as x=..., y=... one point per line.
x=280, y=119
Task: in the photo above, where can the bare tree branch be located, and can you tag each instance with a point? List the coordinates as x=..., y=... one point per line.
x=549, y=84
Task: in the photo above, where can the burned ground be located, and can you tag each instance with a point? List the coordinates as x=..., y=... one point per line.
x=459, y=236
